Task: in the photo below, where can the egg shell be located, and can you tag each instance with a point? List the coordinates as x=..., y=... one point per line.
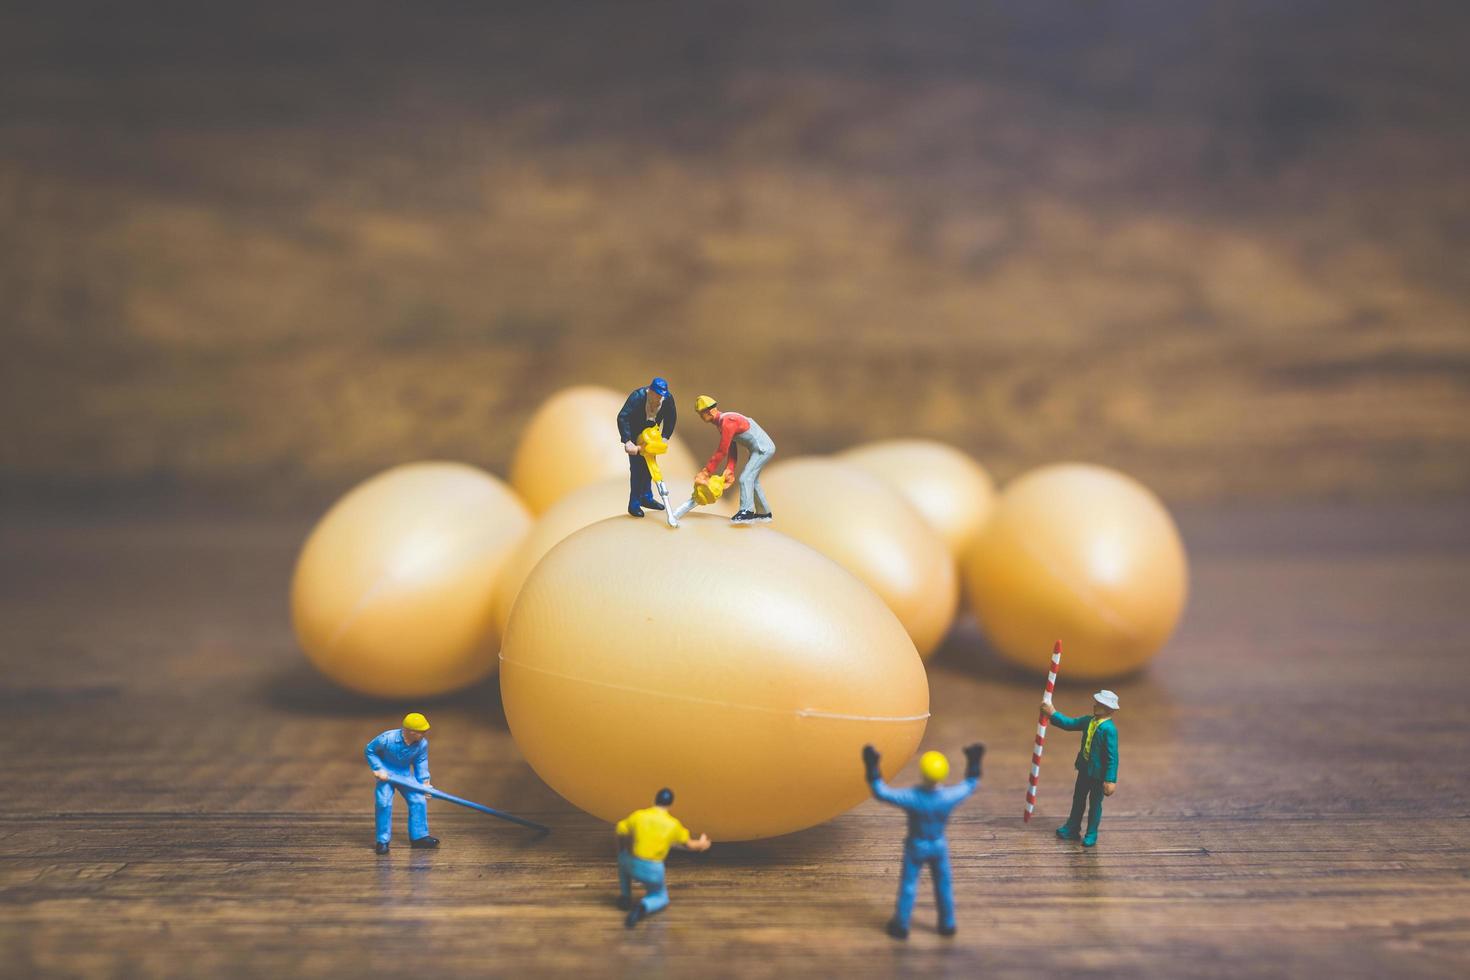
x=571, y=441
x=953, y=493
x=583, y=506
x=1081, y=553
x=734, y=665
x=867, y=527
x=393, y=588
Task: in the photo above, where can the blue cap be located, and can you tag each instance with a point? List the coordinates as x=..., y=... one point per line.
x=660, y=387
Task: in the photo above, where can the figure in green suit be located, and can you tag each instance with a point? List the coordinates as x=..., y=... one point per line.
x=1097, y=763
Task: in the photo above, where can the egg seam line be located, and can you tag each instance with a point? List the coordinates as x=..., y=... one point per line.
x=799, y=712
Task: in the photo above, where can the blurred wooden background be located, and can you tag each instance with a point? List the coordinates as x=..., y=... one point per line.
x=262, y=252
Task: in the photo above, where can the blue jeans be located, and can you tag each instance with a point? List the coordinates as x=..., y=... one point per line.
x=916, y=854
x=418, y=812
x=649, y=874
x=640, y=483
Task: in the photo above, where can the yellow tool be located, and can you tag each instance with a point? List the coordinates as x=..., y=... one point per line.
x=934, y=766
x=651, y=445
x=708, y=491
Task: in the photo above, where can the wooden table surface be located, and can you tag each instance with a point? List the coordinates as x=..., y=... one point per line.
x=184, y=797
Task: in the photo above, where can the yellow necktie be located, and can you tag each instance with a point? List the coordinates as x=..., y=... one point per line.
x=1091, y=731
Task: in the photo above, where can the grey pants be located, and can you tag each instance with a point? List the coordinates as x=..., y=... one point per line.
x=759, y=449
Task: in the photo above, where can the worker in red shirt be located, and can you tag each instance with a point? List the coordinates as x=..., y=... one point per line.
x=737, y=430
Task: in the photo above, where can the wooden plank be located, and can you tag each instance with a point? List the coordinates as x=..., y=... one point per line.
x=189, y=799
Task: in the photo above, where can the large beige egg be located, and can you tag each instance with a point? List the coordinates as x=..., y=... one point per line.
x=951, y=491
x=731, y=664
x=1083, y=553
x=572, y=440
x=393, y=589
x=867, y=527
x=579, y=508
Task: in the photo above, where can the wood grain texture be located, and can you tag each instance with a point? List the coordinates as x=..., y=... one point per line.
x=271, y=249
x=183, y=797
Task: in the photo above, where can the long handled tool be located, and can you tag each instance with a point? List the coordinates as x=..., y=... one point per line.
x=439, y=794
x=1041, y=723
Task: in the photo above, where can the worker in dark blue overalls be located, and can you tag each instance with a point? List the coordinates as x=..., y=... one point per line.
x=652, y=404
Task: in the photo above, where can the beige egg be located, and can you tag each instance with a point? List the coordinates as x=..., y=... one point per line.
x=1082, y=554
x=393, y=589
x=733, y=665
x=951, y=491
x=867, y=527
x=572, y=440
x=583, y=506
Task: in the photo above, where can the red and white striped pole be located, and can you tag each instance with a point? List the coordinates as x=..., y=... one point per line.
x=1041, y=723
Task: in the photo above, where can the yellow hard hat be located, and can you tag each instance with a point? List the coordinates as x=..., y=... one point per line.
x=415, y=722
x=934, y=766
x=703, y=402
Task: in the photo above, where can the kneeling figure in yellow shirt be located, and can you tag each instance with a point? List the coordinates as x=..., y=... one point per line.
x=644, y=839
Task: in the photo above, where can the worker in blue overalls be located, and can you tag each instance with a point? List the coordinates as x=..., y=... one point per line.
x=402, y=753
x=928, y=806
x=651, y=405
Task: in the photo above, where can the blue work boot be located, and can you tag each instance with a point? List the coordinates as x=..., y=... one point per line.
x=634, y=509
x=1067, y=832
x=897, y=929
x=633, y=916
x=382, y=847
x=647, y=500
x=946, y=930
x=1090, y=839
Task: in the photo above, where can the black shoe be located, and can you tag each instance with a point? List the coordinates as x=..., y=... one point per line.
x=381, y=848
x=424, y=842
x=635, y=510
x=743, y=517
x=624, y=902
x=897, y=930
x=946, y=930
x=651, y=503
x=764, y=518
x=633, y=916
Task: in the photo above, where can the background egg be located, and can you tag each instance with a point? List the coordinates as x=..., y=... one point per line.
x=867, y=527
x=572, y=440
x=1083, y=553
x=951, y=491
x=579, y=508
x=393, y=589
x=734, y=665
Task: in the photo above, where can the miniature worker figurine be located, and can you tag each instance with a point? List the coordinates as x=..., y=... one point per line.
x=650, y=405
x=644, y=839
x=1097, y=763
x=402, y=753
x=928, y=805
x=736, y=429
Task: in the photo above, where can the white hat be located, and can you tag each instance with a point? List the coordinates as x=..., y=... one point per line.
x=1107, y=699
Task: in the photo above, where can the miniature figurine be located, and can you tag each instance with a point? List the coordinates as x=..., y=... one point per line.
x=742, y=430
x=402, y=753
x=1097, y=763
x=644, y=839
x=650, y=405
x=928, y=806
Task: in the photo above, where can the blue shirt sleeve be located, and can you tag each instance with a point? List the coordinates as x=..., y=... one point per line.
x=960, y=792
x=1109, y=735
x=898, y=797
x=421, y=763
x=1069, y=724
x=371, y=752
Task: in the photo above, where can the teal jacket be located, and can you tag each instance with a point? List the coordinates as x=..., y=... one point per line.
x=1104, y=762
